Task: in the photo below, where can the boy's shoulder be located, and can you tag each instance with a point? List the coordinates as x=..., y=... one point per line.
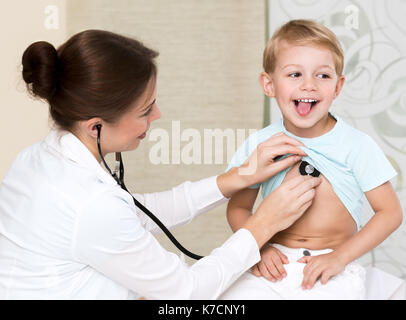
x=268, y=131
x=352, y=135
x=348, y=135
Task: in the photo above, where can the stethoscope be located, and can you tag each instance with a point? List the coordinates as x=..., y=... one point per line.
x=305, y=169
x=120, y=180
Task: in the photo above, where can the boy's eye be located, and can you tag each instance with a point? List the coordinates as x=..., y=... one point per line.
x=323, y=76
x=295, y=74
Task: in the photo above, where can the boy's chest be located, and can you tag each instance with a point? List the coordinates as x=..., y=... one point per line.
x=324, y=192
x=327, y=212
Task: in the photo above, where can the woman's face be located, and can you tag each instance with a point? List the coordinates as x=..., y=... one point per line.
x=127, y=133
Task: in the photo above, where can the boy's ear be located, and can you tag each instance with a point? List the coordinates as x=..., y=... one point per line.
x=339, y=85
x=267, y=84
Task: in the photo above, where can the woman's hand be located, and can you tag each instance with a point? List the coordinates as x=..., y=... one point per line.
x=271, y=265
x=261, y=164
x=282, y=207
x=321, y=267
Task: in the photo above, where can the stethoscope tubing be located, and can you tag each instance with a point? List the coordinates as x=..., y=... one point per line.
x=120, y=180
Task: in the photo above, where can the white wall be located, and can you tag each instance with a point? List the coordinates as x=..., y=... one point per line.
x=23, y=121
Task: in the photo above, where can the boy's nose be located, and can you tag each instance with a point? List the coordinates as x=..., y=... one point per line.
x=308, y=84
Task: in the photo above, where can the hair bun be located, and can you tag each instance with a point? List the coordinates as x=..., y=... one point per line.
x=40, y=62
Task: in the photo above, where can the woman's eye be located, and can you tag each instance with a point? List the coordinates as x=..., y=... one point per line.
x=295, y=74
x=148, y=112
x=151, y=106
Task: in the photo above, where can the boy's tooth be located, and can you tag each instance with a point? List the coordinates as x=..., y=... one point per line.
x=306, y=100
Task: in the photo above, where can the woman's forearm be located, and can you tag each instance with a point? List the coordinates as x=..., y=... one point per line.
x=231, y=181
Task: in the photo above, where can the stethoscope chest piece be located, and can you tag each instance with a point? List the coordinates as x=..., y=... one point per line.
x=306, y=168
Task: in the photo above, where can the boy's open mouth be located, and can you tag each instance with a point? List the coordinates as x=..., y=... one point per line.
x=304, y=106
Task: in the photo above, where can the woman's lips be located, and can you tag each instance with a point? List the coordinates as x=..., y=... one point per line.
x=144, y=134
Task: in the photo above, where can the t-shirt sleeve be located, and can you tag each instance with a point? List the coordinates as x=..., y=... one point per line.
x=370, y=165
x=242, y=154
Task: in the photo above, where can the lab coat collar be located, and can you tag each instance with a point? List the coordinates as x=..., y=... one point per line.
x=67, y=145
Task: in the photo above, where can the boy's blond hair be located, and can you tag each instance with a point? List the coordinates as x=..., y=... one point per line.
x=303, y=32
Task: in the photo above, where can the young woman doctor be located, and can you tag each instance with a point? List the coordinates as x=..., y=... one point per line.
x=67, y=229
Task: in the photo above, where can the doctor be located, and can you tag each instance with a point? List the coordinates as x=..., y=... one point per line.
x=67, y=229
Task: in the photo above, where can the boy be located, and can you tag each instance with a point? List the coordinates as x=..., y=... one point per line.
x=303, y=64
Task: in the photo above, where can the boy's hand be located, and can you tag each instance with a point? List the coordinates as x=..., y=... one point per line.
x=271, y=264
x=323, y=266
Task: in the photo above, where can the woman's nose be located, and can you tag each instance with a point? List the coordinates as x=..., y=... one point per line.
x=155, y=114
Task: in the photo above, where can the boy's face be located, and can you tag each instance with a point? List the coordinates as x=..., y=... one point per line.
x=304, y=84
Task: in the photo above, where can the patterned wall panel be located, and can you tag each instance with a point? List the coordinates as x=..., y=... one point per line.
x=373, y=36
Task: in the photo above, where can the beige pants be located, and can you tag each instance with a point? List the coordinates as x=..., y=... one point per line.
x=349, y=284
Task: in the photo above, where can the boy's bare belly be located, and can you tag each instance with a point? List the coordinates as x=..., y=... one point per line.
x=326, y=224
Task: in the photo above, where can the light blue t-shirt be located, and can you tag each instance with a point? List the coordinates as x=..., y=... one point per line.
x=349, y=159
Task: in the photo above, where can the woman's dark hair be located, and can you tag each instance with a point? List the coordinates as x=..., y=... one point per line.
x=94, y=74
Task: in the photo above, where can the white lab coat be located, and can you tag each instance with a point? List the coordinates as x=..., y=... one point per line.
x=68, y=231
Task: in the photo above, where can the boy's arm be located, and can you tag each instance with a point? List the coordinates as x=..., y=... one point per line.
x=239, y=209
x=240, y=206
x=387, y=218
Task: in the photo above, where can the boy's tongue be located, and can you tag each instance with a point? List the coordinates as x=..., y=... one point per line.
x=303, y=108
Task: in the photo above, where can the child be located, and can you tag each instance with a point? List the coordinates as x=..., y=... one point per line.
x=303, y=64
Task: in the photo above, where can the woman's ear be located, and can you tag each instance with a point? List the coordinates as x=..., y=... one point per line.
x=267, y=84
x=90, y=126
